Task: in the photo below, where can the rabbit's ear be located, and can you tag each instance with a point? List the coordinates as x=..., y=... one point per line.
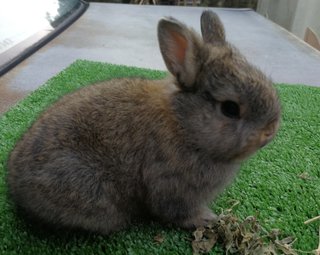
x=211, y=28
x=178, y=46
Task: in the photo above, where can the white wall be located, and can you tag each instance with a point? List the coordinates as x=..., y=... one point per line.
x=294, y=15
x=307, y=15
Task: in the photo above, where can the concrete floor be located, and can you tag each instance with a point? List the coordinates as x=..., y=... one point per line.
x=126, y=34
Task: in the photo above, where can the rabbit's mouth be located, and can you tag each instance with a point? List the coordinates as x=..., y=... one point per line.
x=264, y=143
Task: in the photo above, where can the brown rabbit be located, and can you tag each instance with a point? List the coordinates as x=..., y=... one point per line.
x=126, y=149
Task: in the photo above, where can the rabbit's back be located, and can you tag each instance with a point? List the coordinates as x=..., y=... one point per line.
x=107, y=117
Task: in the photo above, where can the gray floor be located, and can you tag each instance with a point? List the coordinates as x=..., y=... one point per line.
x=126, y=34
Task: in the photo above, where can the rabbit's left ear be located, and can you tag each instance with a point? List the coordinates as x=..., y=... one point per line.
x=212, y=28
x=179, y=47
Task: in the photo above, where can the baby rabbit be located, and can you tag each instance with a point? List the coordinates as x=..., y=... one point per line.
x=128, y=149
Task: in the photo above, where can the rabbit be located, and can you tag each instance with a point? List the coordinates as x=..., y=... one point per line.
x=129, y=149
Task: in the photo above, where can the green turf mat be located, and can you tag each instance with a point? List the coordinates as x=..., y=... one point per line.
x=280, y=185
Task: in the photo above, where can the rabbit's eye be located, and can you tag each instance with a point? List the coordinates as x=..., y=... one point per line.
x=230, y=109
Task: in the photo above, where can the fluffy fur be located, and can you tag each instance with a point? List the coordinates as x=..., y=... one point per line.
x=127, y=149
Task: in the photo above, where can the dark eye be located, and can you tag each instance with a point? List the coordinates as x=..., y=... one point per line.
x=230, y=109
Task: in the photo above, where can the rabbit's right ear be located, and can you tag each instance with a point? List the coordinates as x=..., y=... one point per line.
x=178, y=46
x=212, y=28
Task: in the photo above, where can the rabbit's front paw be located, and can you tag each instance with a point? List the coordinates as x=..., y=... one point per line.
x=203, y=218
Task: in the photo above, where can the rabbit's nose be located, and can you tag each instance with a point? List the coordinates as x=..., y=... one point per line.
x=266, y=137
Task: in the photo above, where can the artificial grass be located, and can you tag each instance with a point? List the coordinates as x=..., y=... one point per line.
x=269, y=186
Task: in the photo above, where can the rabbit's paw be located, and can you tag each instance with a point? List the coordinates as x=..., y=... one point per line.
x=202, y=219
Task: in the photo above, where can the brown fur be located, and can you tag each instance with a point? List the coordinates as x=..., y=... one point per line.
x=126, y=149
